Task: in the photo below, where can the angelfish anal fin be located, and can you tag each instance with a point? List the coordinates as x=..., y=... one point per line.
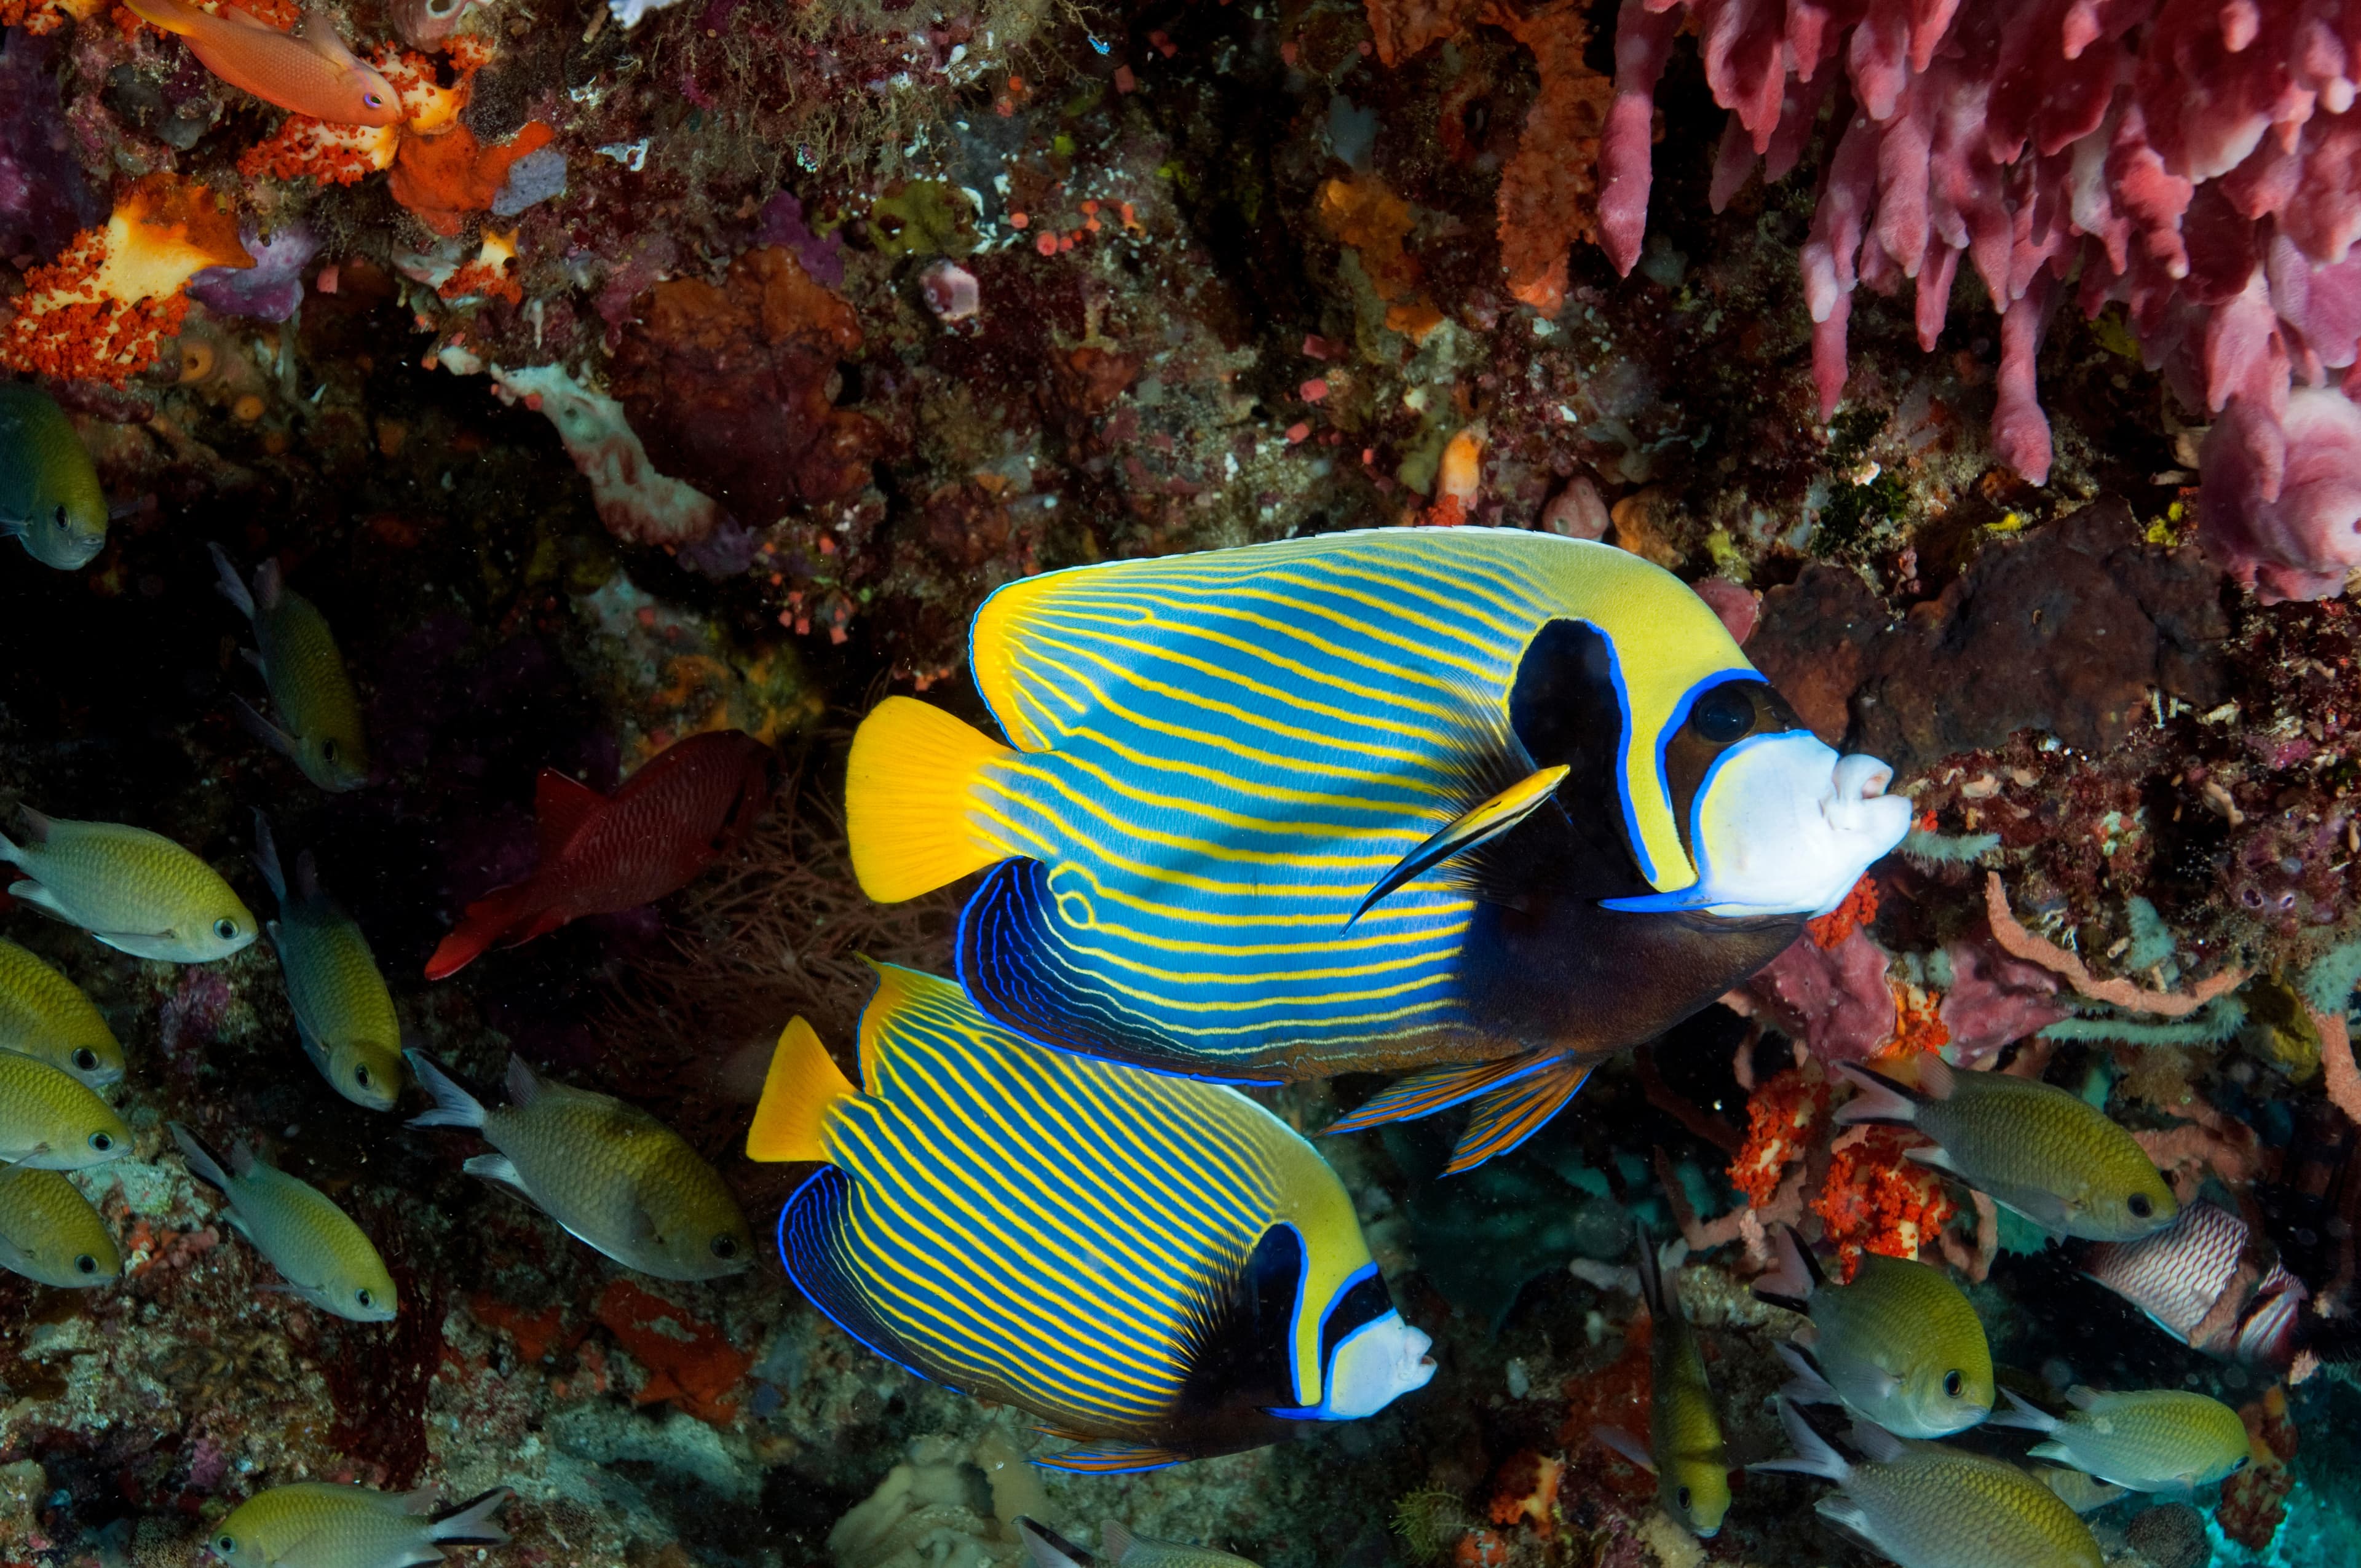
x=1478, y=825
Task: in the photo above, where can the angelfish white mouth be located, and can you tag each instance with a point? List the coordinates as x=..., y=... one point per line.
x=1783, y=826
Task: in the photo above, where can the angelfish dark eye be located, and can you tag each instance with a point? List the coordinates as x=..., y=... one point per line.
x=2140, y=1207
x=86, y=1264
x=1722, y=715
x=1953, y=1383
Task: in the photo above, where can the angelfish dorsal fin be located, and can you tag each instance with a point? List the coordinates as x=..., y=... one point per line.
x=1472, y=828
x=560, y=808
x=803, y=1082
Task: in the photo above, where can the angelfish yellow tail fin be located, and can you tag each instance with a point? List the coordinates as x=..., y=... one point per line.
x=906, y=800
x=803, y=1082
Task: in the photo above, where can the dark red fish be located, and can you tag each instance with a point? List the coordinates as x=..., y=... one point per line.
x=691, y=805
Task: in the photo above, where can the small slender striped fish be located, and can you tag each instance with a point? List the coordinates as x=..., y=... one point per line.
x=1156, y=1266
x=1375, y=800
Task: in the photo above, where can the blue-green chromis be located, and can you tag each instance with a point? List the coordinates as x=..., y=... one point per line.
x=2152, y=1439
x=44, y=1014
x=343, y=1014
x=138, y=892
x=49, y=496
x=318, y=716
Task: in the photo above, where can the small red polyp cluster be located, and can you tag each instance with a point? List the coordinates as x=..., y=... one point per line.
x=103, y=309
x=1877, y=1200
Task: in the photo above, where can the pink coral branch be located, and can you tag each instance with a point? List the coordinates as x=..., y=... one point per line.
x=2020, y=943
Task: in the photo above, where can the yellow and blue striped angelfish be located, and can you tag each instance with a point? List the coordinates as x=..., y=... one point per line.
x=1372, y=800
x=1155, y=1266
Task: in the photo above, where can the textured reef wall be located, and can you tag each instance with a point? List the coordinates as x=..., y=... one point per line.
x=703, y=365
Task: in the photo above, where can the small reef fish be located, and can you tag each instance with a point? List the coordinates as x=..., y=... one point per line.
x=50, y=1120
x=136, y=891
x=324, y=1256
x=318, y=1524
x=2050, y=1156
x=2083, y=1494
x=1157, y=1267
x=49, y=496
x=1685, y=1448
x=2154, y=1440
x=344, y=1014
x=693, y=804
x=1045, y=1548
x=612, y=1174
x=44, y=1014
x=308, y=73
x=1926, y=1506
x=2179, y=1275
x=1368, y=801
x=319, y=717
x=48, y=1231
x=1899, y=1345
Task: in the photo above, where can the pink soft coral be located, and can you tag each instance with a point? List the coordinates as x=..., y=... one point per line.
x=2195, y=160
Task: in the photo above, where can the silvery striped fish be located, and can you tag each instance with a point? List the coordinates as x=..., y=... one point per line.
x=1155, y=1266
x=1373, y=800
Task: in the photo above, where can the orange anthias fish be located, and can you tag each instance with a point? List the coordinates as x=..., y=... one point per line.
x=601, y=854
x=310, y=72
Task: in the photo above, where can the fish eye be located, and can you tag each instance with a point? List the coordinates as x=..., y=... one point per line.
x=2240, y=1462
x=328, y=749
x=371, y=100
x=226, y=928
x=2140, y=1207
x=102, y=1142
x=725, y=1246
x=86, y=1264
x=60, y=518
x=361, y=1076
x=1953, y=1383
x=1722, y=714
x=226, y=1545
x=1682, y=1498
x=362, y=1298
x=86, y=1058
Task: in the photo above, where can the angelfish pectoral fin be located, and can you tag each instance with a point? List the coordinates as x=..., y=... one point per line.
x=1478, y=825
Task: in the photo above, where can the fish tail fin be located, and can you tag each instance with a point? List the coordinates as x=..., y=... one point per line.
x=1806, y=1387
x=1876, y=1444
x=1425, y=1093
x=471, y=1522
x=790, y=1121
x=906, y=800
x=1117, y=1538
x=203, y=1164
x=1650, y=1268
x=1623, y=1445
x=1045, y=1548
x=2022, y=1413
x=1877, y=1098
x=1793, y=1278
x=1814, y=1454
x=454, y=1106
x=37, y=832
x=265, y=857
x=227, y=583
x=1507, y=1117
x=485, y=922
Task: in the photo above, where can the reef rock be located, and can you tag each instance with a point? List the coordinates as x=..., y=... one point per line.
x=733, y=387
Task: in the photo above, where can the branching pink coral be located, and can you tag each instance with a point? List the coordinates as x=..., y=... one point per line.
x=2338, y=1074
x=2195, y=160
x=2018, y=942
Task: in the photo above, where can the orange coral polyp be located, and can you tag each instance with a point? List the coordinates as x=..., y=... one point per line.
x=303, y=148
x=103, y=309
x=1878, y=1200
x=1782, y=1118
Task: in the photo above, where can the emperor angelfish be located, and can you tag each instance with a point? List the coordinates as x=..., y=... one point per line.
x=1157, y=1267
x=1372, y=800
